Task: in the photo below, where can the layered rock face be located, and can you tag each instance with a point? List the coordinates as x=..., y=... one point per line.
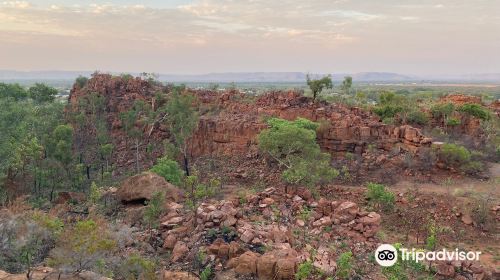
x=229, y=122
x=342, y=129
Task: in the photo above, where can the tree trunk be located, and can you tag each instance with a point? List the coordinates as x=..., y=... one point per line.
x=137, y=155
x=186, y=165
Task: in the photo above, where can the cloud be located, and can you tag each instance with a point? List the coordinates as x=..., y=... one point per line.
x=16, y=4
x=289, y=30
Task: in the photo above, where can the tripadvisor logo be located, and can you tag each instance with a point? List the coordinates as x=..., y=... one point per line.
x=387, y=255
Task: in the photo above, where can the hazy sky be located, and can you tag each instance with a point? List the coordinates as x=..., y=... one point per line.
x=200, y=36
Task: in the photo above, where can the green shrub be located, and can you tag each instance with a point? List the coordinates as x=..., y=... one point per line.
x=454, y=155
x=81, y=81
x=206, y=274
x=138, y=267
x=292, y=144
x=442, y=110
x=475, y=110
x=168, y=169
x=453, y=122
x=380, y=197
x=344, y=265
x=388, y=121
x=417, y=117
x=387, y=111
x=472, y=167
x=82, y=246
x=154, y=209
x=304, y=270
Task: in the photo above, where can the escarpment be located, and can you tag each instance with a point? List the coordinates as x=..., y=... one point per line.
x=229, y=122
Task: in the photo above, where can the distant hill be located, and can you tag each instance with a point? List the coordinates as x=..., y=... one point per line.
x=246, y=77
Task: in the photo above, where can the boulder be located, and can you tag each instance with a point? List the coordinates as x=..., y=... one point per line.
x=180, y=250
x=371, y=219
x=266, y=266
x=178, y=275
x=142, y=187
x=467, y=219
x=285, y=269
x=245, y=264
x=445, y=269
x=169, y=242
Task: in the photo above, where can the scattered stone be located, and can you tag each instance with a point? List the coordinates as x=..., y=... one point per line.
x=467, y=219
x=180, y=251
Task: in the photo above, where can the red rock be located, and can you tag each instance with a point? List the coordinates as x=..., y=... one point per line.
x=64, y=197
x=178, y=275
x=180, y=251
x=285, y=268
x=266, y=266
x=445, y=269
x=144, y=185
x=247, y=236
x=467, y=219
x=169, y=242
x=268, y=201
x=246, y=264
x=371, y=219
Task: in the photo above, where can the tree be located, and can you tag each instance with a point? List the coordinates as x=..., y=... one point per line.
x=168, y=169
x=293, y=145
x=42, y=93
x=14, y=91
x=81, y=81
x=347, y=84
x=317, y=86
x=134, y=122
x=63, y=140
x=154, y=210
x=182, y=120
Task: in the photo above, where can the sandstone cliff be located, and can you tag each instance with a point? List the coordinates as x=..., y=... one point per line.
x=229, y=122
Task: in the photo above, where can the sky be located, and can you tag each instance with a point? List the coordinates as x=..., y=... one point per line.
x=418, y=37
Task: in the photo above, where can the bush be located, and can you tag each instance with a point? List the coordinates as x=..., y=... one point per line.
x=206, y=274
x=442, y=110
x=26, y=239
x=380, y=197
x=472, y=167
x=344, y=265
x=168, y=169
x=475, y=110
x=417, y=117
x=154, y=209
x=82, y=246
x=304, y=270
x=293, y=145
x=454, y=155
x=81, y=81
x=387, y=111
x=137, y=267
x=453, y=122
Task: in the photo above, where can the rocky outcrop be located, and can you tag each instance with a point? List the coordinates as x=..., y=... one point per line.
x=461, y=99
x=143, y=186
x=232, y=231
x=229, y=124
x=235, y=129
